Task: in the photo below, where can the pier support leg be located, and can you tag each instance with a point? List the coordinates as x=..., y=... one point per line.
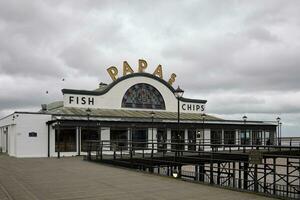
x=246, y=165
x=201, y=172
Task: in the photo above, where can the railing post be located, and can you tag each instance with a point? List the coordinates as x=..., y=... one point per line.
x=240, y=175
x=219, y=174
x=265, y=175
x=196, y=178
x=233, y=174
x=255, y=179
x=121, y=152
x=201, y=172
x=101, y=150
x=274, y=176
x=287, y=176
x=211, y=169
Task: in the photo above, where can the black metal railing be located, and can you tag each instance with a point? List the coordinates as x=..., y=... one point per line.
x=270, y=169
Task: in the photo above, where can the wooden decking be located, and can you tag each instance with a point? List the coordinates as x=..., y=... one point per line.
x=73, y=178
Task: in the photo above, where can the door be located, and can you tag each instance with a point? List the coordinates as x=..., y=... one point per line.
x=162, y=140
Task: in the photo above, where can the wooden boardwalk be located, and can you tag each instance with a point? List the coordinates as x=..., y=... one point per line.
x=73, y=178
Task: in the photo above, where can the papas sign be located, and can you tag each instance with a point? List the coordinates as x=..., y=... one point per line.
x=142, y=66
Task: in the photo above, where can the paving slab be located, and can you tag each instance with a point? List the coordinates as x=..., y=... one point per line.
x=73, y=178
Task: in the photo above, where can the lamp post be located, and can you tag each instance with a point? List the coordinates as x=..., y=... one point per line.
x=203, y=115
x=58, y=139
x=245, y=134
x=178, y=94
x=88, y=112
x=278, y=129
x=280, y=125
x=152, y=120
x=245, y=119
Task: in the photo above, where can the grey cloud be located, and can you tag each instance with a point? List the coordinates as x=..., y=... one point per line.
x=261, y=34
x=240, y=55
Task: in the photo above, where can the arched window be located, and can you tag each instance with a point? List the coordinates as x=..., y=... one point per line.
x=144, y=96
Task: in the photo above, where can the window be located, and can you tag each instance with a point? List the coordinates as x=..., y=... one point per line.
x=192, y=140
x=256, y=137
x=139, y=138
x=119, y=139
x=161, y=140
x=216, y=137
x=66, y=141
x=229, y=137
x=88, y=134
x=144, y=96
x=177, y=139
x=269, y=137
x=245, y=137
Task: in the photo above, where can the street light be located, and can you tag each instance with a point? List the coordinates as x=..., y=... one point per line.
x=203, y=115
x=88, y=112
x=278, y=129
x=280, y=124
x=245, y=134
x=152, y=119
x=58, y=138
x=178, y=94
x=245, y=118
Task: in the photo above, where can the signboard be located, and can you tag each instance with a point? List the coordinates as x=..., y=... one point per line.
x=32, y=134
x=192, y=107
x=142, y=66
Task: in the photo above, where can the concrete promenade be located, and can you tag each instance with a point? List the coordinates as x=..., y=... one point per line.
x=73, y=178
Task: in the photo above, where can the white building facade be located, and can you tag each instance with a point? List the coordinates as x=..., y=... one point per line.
x=138, y=107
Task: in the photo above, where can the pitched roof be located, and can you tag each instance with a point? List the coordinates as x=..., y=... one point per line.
x=122, y=113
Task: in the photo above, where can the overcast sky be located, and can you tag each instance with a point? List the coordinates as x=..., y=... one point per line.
x=242, y=56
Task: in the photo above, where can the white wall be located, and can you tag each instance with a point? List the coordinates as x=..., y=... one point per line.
x=31, y=146
x=105, y=136
x=169, y=135
x=19, y=143
x=207, y=138
x=154, y=138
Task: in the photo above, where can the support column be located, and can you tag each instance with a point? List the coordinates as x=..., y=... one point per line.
x=201, y=172
x=265, y=175
x=246, y=165
x=169, y=139
x=237, y=137
x=255, y=179
x=274, y=176
x=223, y=138
x=234, y=172
x=287, y=176
x=196, y=173
x=186, y=139
x=240, y=175
x=219, y=174
x=58, y=140
x=78, y=140
x=211, y=170
x=129, y=136
x=206, y=138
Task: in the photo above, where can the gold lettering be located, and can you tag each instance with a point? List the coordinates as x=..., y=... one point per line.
x=172, y=79
x=142, y=65
x=113, y=72
x=127, y=69
x=158, y=72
